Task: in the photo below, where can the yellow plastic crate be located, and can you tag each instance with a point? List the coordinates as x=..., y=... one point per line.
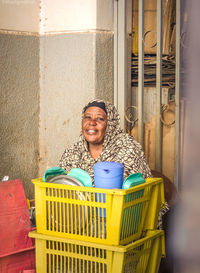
x=62, y=255
x=98, y=215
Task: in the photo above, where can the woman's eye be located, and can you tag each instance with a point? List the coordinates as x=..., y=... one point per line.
x=87, y=117
x=100, y=119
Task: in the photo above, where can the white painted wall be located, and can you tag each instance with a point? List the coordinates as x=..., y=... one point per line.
x=43, y=16
x=20, y=15
x=76, y=15
x=68, y=15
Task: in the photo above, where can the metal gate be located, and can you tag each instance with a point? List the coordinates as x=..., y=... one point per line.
x=123, y=78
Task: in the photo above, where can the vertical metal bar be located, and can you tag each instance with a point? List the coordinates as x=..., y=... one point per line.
x=116, y=53
x=159, y=86
x=122, y=60
x=141, y=74
x=122, y=25
x=177, y=98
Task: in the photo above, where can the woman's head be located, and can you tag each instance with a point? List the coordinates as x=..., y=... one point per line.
x=107, y=128
x=94, y=122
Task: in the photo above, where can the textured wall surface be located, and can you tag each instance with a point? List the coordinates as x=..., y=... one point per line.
x=54, y=58
x=19, y=107
x=45, y=81
x=104, y=80
x=74, y=68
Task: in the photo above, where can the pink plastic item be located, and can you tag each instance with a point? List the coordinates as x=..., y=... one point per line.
x=18, y=262
x=17, y=250
x=14, y=218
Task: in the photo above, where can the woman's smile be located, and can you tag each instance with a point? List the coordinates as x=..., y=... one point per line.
x=91, y=132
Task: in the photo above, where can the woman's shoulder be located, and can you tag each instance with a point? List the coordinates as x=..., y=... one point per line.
x=129, y=146
x=70, y=156
x=129, y=140
x=74, y=148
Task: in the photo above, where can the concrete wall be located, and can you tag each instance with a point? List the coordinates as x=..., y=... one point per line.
x=19, y=107
x=55, y=57
x=74, y=68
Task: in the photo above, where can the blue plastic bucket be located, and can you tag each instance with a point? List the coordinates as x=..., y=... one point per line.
x=108, y=175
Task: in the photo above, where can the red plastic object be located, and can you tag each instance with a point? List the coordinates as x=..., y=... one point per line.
x=23, y=261
x=14, y=218
x=28, y=271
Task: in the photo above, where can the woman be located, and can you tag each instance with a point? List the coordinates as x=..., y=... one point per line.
x=102, y=139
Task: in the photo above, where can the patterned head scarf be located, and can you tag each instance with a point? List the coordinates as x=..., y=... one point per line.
x=117, y=146
x=95, y=103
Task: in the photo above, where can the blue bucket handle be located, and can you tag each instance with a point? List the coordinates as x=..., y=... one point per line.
x=106, y=171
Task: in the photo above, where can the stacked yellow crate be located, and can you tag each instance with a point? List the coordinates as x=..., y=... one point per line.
x=92, y=230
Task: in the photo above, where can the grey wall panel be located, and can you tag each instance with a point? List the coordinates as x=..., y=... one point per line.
x=19, y=107
x=45, y=81
x=74, y=68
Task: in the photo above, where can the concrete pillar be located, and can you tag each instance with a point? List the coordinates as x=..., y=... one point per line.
x=55, y=56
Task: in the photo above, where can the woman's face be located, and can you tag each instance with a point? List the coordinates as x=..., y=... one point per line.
x=94, y=125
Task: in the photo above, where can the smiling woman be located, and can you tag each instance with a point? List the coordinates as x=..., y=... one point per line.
x=102, y=139
x=94, y=124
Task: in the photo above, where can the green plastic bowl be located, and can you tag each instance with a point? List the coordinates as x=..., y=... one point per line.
x=81, y=176
x=133, y=180
x=51, y=172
